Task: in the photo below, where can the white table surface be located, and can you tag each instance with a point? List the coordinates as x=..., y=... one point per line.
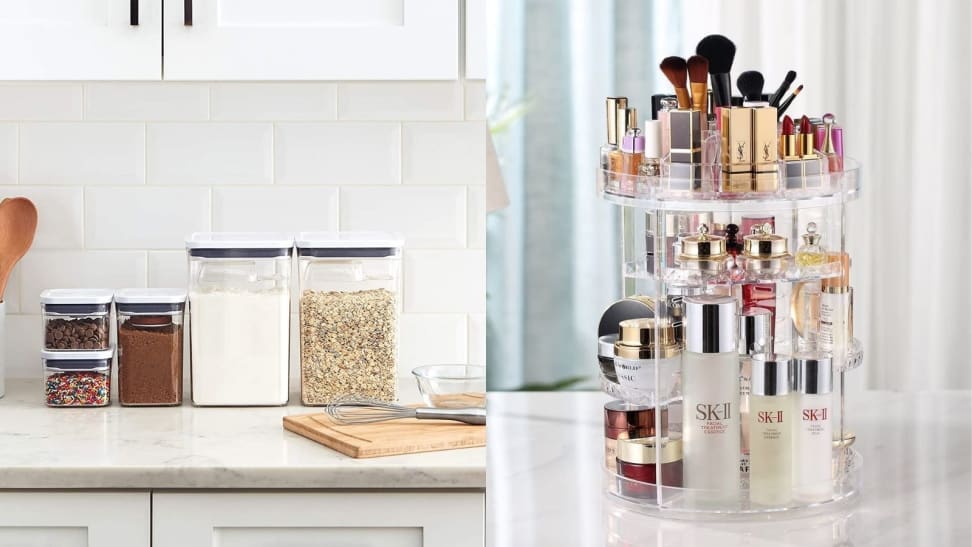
x=189, y=447
x=545, y=454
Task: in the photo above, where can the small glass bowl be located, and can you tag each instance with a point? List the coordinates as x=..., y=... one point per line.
x=452, y=386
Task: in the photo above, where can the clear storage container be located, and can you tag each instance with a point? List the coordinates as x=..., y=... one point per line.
x=77, y=378
x=349, y=287
x=150, y=334
x=76, y=319
x=239, y=318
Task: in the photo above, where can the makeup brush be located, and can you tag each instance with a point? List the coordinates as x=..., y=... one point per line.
x=786, y=103
x=776, y=97
x=750, y=84
x=698, y=70
x=720, y=52
x=676, y=70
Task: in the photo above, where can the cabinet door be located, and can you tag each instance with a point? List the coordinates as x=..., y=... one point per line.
x=311, y=40
x=301, y=519
x=75, y=519
x=81, y=39
x=475, y=39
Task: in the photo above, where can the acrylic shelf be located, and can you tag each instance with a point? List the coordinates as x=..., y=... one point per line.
x=682, y=503
x=664, y=193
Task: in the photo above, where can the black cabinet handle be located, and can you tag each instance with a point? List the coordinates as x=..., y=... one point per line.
x=133, y=13
x=187, y=13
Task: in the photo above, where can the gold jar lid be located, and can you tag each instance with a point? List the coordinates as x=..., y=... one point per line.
x=703, y=246
x=642, y=451
x=763, y=243
x=640, y=339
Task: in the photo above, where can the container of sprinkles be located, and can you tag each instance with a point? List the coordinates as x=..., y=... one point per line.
x=77, y=378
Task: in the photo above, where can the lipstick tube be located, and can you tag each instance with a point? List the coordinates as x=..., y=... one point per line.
x=765, y=149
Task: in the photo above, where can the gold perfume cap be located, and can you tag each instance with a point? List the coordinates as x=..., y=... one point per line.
x=642, y=451
x=703, y=246
x=763, y=243
x=811, y=237
x=646, y=339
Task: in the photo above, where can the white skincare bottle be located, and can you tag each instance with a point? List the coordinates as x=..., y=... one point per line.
x=771, y=416
x=755, y=336
x=813, y=447
x=835, y=310
x=710, y=391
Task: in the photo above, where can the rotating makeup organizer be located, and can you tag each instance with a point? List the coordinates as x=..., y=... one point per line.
x=727, y=356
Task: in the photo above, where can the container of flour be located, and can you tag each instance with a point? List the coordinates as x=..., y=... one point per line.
x=239, y=318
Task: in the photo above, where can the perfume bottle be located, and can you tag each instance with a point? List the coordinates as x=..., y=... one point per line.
x=771, y=430
x=627, y=119
x=835, y=161
x=710, y=388
x=632, y=156
x=613, y=106
x=813, y=444
x=811, y=253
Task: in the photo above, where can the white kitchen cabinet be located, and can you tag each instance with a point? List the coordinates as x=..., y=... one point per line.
x=80, y=39
x=305, y=519
x=75, y=519
x=311, y=40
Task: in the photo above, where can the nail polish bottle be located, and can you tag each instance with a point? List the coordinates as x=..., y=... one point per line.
x=651, y=166
x=615, y=158
x=813, y=444
x=771, y=423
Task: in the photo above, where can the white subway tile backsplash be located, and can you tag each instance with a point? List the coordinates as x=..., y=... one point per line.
x=78, y=269
x=399, y=101
x=431, y=216
x=76, y=153
x=144, y=217
x=475, y=101
x=146, y=101
x=476, y=212
x=431, y=339
x=445, y=281
x=9, y=149
x=210, y=153
x=168, y=269
x=477, y=339
x=40, y=101
x=275, y=208
x=274, y=101
x=444, y=153
x=338, y=153
x=60, y=214
x=11, y=295
x=23, y=342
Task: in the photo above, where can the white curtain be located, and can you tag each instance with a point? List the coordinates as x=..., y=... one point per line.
x=896, y=73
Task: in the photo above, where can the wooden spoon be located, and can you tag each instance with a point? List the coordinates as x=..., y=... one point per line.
x=18, y=223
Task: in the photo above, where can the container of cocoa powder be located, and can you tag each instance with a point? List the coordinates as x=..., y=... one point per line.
x=150, y=338
x=76, y=319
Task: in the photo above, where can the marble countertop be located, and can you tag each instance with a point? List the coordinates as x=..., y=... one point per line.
x=189, y=447
x=545, y=479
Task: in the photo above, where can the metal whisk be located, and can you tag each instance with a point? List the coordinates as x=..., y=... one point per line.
x=356, y=410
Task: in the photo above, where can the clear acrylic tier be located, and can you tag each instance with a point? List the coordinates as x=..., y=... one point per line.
x=794, y=264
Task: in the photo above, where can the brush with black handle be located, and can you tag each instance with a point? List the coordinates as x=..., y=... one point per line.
x=720, y=52
x=750, y=84
x=777, y=96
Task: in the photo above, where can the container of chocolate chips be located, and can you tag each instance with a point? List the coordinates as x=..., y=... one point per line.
x=76, y=319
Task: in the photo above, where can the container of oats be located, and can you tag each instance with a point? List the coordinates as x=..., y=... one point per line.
x=349, y=290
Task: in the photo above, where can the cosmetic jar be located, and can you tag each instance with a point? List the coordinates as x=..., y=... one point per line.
x=703, y=252
x=644, y=344
x=624, y=420
x=633, y=307
x=638, y=471
x=764, y=252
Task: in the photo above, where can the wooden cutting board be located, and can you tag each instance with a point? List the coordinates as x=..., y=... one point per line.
x=407, y=436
